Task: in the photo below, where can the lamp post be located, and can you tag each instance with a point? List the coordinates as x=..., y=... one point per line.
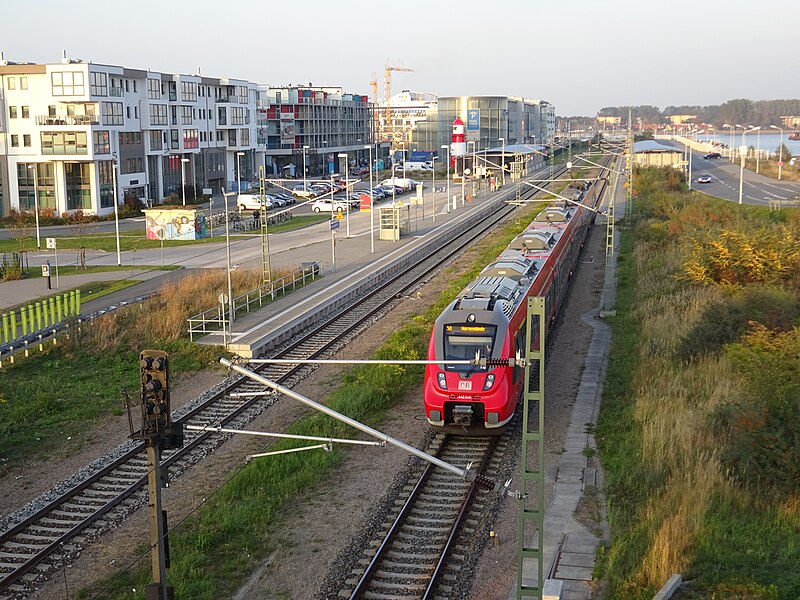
x=116, y=214
x=503, y=161
x=758, y=147
x=404, y=158
x=780, y=150
x=433, y=195
x=447, y=165
x=239, y=173
x=371, y=204
x=743, y=153
x=183, y=179
x=36, y=201
x=231, y=314
x=474, y=159
x=305, y=176
x=346, y=189
x=730, y=139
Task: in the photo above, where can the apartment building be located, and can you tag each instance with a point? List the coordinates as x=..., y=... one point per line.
x=71, y=131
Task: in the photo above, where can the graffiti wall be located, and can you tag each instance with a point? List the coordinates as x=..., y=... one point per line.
x=170, y=223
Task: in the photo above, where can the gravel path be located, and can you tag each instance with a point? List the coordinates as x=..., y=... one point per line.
x=317, y=527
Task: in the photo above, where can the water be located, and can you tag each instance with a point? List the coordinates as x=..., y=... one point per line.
x=768, y=141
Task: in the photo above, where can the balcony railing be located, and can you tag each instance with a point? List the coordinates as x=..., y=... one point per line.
x=67, y=119
x=115, y=91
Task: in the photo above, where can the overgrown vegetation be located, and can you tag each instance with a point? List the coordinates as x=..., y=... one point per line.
x=699, y=430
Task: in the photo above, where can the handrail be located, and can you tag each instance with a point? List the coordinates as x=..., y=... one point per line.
x=213, y=319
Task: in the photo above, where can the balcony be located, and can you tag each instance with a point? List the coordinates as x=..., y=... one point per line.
x=70, y=120
x=116, y=91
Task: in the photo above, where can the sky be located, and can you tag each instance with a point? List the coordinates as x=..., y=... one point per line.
x=581, y=55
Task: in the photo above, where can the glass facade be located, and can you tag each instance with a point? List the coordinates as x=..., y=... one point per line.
x=44, y=185
x=78, y=186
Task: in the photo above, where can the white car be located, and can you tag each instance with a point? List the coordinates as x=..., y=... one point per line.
x=253, y=202
x=328, y=205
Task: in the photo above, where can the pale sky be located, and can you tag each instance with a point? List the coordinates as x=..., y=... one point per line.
x=581, y=55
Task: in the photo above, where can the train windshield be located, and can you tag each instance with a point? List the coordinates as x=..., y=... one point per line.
x=464, y=342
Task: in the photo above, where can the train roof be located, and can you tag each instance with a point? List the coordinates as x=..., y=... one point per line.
x=502, y=284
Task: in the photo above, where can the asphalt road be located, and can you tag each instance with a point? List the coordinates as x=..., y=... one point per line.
x=756, y=189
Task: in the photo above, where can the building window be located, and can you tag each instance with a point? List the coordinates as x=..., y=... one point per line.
x=64, y=142
x=188, y=91
x=190, y=139
x=245, y=135
x=237, y=116
x=186, y=115
x=174, y=142
x=14, y=140
x=128, y=111
x=158, y=114
x=112, y=113
x=12, y=83
x=26, y=140
x=242, y=93
x=102, y=145
x=12, y=112
x=98, y=84
x=126, y=86
x=67, y=83
x=155, y=140
x=78, y=186
x=132, y=165
x=153, y=89
x=135, y=112
x=105, y=171
x=26, y=112
x=23, y=83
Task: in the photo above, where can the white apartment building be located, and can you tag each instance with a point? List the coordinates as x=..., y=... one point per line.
x=71, y=130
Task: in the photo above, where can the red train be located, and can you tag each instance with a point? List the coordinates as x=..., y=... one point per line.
x=488, y=318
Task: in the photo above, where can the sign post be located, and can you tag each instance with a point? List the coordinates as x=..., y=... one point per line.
x=46, y=273
x=51, y=245
x=334, y=226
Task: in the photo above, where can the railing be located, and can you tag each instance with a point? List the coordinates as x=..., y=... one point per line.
x=215, y=319
x=68, y=119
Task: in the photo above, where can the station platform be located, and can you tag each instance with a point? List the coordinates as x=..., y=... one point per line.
x=357, y=269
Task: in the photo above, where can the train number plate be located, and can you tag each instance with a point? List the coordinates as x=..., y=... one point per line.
x=465, y=385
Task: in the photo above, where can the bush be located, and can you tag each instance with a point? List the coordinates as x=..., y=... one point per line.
x=762, y=431
x=726, y=321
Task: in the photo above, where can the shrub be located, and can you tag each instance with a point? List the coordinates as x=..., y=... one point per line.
x=724, y=322
x=761, y=432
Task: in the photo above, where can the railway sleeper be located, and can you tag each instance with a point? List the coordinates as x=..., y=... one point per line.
x=405, y=568
x=406, y=551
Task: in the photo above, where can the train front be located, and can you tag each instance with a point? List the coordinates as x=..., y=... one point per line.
x=469, y=398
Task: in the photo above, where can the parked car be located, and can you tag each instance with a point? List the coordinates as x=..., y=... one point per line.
x=328, y=205
x=285, y=197
x=253, y=202
x=705, y=178
x=301, y=191
x=713, y=155
x=378, y=193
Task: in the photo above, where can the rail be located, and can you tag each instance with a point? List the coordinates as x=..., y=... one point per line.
x=213, y=319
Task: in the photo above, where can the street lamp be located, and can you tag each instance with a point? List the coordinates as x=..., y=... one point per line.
x=183, y=179
x=446, y=147
x=116, y=214
x=780, y=150
x=743, y=153
x=730, y=139
x=404, y=159
x=36, y=201
x=238, y=173
x=474, y=159
x=503, y=160
x=346, y=189
x=371, y=204
x=305, y=177
x=433, y=195
x=231, y=314
x=758, y=147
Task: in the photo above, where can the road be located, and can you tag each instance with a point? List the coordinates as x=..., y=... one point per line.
x=756, y=189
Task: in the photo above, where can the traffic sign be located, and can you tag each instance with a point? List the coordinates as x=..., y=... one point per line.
x=45, y=270
x=780, y=163
x=340, y=215
x=51, y=243
x=334, y=224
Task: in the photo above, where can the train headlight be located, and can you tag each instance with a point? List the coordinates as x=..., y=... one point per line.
x=489, y=382
x=441, y=379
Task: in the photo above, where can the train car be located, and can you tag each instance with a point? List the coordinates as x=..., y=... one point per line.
x=488, y=319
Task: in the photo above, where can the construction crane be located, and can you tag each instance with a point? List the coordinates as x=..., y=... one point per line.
x=388, y=80
x=375, y=120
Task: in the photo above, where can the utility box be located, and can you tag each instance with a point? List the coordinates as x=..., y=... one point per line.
x=395, y=221
x=175, y=223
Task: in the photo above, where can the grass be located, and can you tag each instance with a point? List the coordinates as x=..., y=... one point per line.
x=64, y=270
x=235, y=530
x=674, y=506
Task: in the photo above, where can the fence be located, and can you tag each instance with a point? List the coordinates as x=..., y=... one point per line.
x=213, y=319
x=40, y=315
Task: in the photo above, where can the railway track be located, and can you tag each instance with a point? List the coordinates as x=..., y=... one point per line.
x=60, y=527
x=414, y=555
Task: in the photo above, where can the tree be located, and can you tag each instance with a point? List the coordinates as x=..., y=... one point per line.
x=81, y=226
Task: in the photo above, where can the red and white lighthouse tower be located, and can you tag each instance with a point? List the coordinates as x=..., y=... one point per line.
x=458, y=143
